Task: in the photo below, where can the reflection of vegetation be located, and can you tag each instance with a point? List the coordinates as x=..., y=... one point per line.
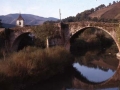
x=102, y=61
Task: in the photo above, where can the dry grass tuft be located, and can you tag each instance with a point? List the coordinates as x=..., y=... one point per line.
x=35, y=62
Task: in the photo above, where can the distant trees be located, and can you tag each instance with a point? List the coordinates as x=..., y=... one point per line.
x=80, y=16
x=84, y=16
x=109, y=4
x=69, y=19
x=100, y=7
x=114, y=2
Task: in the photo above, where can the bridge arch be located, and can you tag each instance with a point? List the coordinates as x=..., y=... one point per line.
x=22, y=41
x=110, y=33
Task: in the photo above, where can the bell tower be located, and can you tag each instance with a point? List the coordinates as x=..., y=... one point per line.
x=20, y=21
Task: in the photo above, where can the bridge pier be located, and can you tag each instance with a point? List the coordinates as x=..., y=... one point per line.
x=65, y=35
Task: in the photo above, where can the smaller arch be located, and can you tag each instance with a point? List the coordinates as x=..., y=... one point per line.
x=22, y=41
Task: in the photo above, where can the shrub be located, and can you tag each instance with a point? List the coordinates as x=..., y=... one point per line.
x=35, y=62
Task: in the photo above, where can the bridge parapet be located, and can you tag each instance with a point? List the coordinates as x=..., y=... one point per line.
x=110, y=28
x=75, y=26
x=22, y=29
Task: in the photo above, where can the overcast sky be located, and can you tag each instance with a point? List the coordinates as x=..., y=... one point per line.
x=49, y=8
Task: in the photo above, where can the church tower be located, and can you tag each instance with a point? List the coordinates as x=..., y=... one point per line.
x=20, y=21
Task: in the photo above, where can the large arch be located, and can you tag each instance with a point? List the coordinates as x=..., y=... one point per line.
x=100, y=28
x=74, y=35
x=22, y=41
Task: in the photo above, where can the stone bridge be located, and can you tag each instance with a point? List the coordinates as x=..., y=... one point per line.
x=70, y=30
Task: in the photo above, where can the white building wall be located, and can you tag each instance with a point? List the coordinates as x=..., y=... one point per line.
x=20, y=23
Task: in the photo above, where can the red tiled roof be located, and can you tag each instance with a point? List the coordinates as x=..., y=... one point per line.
x=20, y=17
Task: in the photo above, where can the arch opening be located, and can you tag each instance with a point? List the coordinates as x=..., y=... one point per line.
x=93, y=37
x=95, y=54
x=23, y=40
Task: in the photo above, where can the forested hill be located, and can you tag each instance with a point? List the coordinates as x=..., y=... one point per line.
x=110, y=13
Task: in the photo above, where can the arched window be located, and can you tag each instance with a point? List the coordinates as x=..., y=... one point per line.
x=19, y=23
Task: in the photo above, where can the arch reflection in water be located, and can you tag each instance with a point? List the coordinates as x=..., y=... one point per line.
x=92, y=74
x=95, y=66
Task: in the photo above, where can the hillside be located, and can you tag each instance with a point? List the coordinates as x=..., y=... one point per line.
x=101, y=13
x=109, y=12
x=29, y=19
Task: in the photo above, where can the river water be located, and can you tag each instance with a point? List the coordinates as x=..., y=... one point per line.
x=97, y=67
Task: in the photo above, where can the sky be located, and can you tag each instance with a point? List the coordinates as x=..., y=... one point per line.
x=49, y=8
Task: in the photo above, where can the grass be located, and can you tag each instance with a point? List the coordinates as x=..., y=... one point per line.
x=34, y=64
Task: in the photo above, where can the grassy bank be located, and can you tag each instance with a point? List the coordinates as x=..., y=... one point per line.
x=34, y=64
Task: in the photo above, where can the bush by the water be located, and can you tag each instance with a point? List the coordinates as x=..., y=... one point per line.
x=35, y=63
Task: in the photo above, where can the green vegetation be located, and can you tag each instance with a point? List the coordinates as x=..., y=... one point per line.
x=35, y=61
x=42, y=32
x=34, y=64
x=90, y=38
x=90, y=57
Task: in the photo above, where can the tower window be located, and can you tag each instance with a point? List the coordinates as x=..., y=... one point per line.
x=19, y=23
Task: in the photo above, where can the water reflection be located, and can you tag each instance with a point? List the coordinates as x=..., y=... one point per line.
x=97, y=67
x=92, y=70
x=73, y=80
x=94, y=74
x=109, y=89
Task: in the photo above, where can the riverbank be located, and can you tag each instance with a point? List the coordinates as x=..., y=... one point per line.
x=32, y=65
